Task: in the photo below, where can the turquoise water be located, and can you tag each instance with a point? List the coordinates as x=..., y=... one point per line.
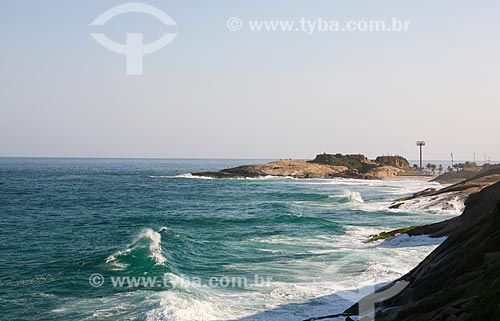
x=63, y=220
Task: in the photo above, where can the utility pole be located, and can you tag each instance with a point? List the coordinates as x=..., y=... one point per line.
x=452, y=160
x=421, y=144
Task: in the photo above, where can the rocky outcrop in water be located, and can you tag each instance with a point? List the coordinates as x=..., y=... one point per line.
x=323, y=166
x=284, y=168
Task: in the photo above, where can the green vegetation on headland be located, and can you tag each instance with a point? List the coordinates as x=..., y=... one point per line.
x=396, y=161
x=353, y=161
x=360, y=162
x=439, y=169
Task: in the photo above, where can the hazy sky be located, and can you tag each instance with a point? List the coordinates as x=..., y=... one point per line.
x=217, y=93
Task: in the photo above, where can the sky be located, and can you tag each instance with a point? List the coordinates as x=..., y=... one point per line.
x=216, y=93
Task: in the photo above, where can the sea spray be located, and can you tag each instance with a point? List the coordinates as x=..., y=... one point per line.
x=146, y=239
x=348, y=196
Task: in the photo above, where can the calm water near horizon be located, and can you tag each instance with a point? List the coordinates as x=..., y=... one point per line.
x=64, y=220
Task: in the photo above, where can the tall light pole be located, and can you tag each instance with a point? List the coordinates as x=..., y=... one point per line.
x=421, y=144
x=452, y=160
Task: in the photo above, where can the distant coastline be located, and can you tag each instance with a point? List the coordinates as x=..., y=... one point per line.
x=324, y=166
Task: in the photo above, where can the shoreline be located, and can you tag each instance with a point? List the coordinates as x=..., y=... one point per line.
x=437, y=290
x=422, y=178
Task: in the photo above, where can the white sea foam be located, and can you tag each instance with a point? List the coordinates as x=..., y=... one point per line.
x=114, y=262
x=186, y=175
x=268, y=177
x=318, y=287
x=348, y=196
x=359, y=196
x=323, y=251
x=444, y=203
x=163, y=229
x=410, y=184
x=154, y=245
x=187, y=308
x=404, y=240
x=374, y=206
x=270, y=251
x=214, y=304
x=354, y=196
x=155, y=250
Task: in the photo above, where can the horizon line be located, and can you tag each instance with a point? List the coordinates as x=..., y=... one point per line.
x=203, y=158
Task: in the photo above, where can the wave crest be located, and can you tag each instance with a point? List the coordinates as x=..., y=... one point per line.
x=147, y=245
x=348, y=197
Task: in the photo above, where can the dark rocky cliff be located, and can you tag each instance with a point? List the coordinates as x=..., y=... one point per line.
x=460, y=280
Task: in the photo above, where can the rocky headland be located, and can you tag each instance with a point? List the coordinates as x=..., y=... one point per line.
x=323, y=166
x=457, y=177
x=460, y=280
x=451, y=197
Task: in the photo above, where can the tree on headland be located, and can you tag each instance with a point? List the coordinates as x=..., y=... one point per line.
x=440, y=168
x=460, y=166
x=470, y=164
x=432, y=168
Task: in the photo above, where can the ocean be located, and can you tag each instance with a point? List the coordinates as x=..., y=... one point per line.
x=141, y=239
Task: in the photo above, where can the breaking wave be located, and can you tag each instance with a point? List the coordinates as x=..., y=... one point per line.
x=146, y=249
x=348, y=197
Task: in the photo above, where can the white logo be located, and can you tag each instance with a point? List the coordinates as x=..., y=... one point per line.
x=134, y=49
